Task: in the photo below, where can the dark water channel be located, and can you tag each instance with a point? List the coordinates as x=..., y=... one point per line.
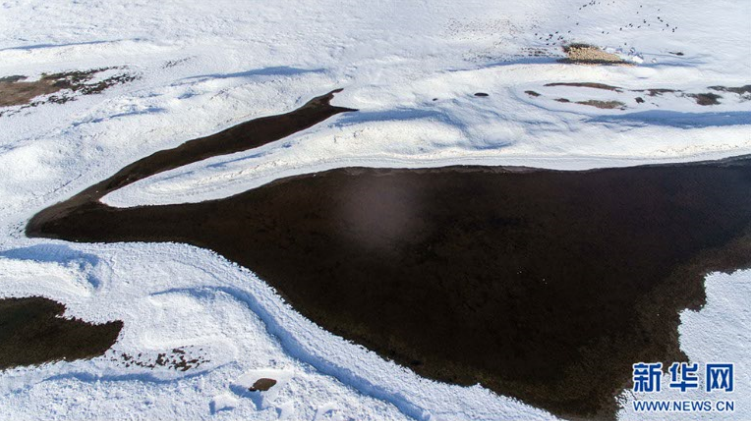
x=541, y=285
x=32, y=331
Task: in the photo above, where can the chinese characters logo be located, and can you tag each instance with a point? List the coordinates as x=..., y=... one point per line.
x=647, y=377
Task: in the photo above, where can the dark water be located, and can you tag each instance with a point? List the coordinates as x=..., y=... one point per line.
x=32, y=332
x=541, y=285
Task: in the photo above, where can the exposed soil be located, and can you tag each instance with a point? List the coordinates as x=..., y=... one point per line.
x=589, y=54
x=262, y=385
x=14, y=90
x=659, y=91
x=743, y=91
x=541, y=285
x=593, y=85
x=705, y=99
x=605, y=105
x=32, y=331
x=532, y=93
x=563, y=100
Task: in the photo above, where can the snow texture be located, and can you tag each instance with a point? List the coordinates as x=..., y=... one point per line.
x=412, y=69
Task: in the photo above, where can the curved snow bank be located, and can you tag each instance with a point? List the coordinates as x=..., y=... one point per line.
x=431, y=142
x=177, y=296
x=436, y=120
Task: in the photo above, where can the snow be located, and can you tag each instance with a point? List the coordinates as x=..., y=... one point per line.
x=223, y=402
x=174, y=295
x=205, y=66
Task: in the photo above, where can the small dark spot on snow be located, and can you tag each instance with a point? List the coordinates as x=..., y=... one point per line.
x=262, y=385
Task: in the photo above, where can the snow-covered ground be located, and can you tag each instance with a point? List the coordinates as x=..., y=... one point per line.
x=412, y=69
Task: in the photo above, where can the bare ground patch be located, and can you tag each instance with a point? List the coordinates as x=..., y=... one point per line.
x=740, y=90
x=593, y=85
x=589, y=54
x=605, y=105
x=658, y=91
x=743, y=91
x=57, y=88
x=262, y=385
x=705, y=98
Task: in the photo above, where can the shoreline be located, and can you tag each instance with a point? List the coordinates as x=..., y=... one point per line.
x=283, y=258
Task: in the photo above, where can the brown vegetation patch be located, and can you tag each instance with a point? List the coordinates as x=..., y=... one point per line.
x=15, y=90
x=659, y=91
x=593, y=85
x=705, y=99
x=605, y=105
x=589, y=54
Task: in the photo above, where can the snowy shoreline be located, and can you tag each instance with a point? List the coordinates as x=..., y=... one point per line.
x=205, y=66
x=184, y=185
